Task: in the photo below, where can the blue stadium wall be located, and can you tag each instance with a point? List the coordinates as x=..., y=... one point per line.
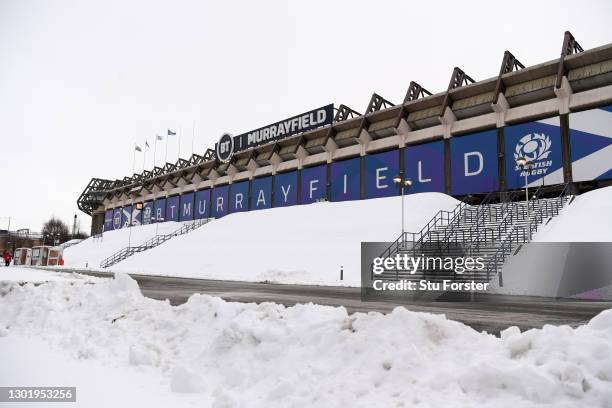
x=464, y=164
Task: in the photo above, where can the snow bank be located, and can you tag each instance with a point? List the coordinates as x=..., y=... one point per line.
x=92, y=251
x=24, y=274
x=268, y=355
x=587, y=219
x=305, y=244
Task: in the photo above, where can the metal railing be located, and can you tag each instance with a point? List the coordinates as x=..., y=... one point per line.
x=151, y=243
x=480, y=231
x=520, y=233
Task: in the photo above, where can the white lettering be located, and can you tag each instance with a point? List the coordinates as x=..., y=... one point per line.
x=379, y=178
x=312, y=187
x=286, y=193
x=466, y=157
x=202, y=207
x=238, y=200
x=421, y=179
x=261, y=198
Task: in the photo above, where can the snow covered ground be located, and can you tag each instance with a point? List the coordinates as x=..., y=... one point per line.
x=92, y=251
x=121, y=349
x=24, y=274
x=305, y=244
x=309, y=244
x=587, y=219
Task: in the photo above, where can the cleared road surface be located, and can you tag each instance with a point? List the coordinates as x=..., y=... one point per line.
x=493, y=314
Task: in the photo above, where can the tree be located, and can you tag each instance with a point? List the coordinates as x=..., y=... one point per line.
x=55, y=229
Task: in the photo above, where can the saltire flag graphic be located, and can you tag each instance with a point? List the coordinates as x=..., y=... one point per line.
x=171, y=133
x=138, y=149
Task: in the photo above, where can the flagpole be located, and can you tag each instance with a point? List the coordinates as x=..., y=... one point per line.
x=134, y=161
x=155, y=153
x=166, y=156
x=179, y=142
x=192, y=136
x=144, y=157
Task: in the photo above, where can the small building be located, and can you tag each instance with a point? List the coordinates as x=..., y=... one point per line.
x=23, y=256
x=46, y=256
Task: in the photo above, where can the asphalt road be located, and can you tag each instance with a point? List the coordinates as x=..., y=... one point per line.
x=492, y=314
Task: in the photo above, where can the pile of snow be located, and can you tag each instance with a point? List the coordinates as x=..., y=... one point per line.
x=213, y=353
x=70, y=243
x=587, y=219
x=25, y=274
x=306, y=244
x=92, y=251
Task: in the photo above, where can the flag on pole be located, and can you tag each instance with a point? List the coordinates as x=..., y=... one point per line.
x=138, y=149
x=158, y=137
x=147, y=144
x=171, y=133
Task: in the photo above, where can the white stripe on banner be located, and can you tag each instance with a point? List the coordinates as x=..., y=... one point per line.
x=594, y=121
x=555, y=177
x=594, y=165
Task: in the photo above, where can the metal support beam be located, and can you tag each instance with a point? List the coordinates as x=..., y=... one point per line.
x=377, y=103
x=570, y=46
x=509, y=64
x=344, y=112
x=415, y=91
x=458, y=79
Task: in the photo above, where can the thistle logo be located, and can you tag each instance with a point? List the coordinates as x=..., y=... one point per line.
x=146, y=215
x=117, y=220
x=535, y=147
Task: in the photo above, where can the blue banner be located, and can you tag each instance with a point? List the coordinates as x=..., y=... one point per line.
x=285, y=189
x=172, y=208
x=261, y=191
x=474, y=167
x=424, y=165
x=220, y=201
x=345, y=180
x=159, y=215
x=108, y=220
x=540, y=143
x=202, y=204
x=126, y=216
x=239, y=197
x=117, y=218
x=380, y=169
x=313, y=184
x=591, y=144
x=147, y=213
x=186, y=207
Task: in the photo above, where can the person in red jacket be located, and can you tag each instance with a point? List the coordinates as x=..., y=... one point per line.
x=7, y=258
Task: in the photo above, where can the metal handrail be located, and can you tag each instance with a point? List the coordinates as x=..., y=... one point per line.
x=151, y=243
x=551, y=207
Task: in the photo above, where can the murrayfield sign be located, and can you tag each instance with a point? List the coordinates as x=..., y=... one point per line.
x=229, y=145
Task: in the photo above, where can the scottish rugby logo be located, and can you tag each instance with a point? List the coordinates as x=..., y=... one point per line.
x=533, y=147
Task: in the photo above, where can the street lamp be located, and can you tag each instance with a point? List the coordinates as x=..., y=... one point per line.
x=403, y=183
x=157, y=221
x=525, y=165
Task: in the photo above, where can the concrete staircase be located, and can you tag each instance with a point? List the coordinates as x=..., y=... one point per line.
x=152, y=243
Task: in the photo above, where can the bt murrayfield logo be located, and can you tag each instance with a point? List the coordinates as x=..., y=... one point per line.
x=535, y=147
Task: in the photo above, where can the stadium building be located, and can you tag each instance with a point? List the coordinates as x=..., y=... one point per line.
x=462, y=141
